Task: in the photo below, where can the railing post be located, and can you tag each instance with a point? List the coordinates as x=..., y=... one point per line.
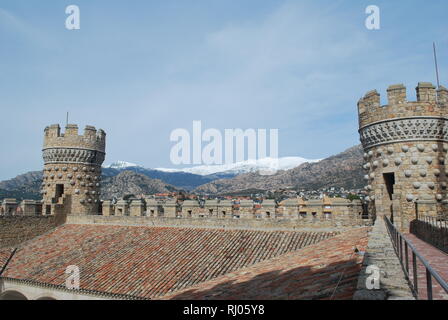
x=429, y=284
x=414, y=272
x=407, y=256
x=401, y=248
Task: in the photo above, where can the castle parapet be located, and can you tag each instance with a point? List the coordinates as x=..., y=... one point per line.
x=430, y=103
x=402, y=120
x=426, y=92
x=71, y=141
x=136, y=208
x=296, y=211
x=442, y=95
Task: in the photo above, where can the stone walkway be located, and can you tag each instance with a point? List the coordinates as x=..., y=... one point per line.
x=380, y=253
x=437, y=259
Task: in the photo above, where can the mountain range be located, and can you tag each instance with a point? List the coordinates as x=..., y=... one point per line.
x=122, y=178
x=341, y=170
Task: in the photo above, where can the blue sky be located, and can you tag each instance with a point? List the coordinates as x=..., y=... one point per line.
x=140, y=69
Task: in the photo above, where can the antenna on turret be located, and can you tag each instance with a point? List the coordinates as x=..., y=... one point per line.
x=66, y=120
x=435, y=61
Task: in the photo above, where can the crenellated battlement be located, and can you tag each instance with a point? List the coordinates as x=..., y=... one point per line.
x=92, y=139
x=430, y=102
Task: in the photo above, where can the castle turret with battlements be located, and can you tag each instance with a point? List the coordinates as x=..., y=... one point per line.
x=406, y=150
x=72, y=170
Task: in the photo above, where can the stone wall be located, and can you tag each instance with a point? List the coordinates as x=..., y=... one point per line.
x=305, y=224
x=17, y=229
x=336, y=211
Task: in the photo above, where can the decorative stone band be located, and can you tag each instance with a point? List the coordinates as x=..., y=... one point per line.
x=404, y=129
x=73, y=155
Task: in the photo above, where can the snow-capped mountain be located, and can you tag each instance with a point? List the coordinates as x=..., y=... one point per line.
x=265, y=164
x=121, y=165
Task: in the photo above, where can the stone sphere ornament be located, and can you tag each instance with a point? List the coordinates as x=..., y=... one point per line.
x=385, y=162
x=390, y=150
x=414, y=160
x=408, y=173
x=420, y=147
x=405, y=148
x=409, y=197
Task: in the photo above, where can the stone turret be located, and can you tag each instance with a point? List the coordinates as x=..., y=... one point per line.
x=405, y=144
x=72, y=170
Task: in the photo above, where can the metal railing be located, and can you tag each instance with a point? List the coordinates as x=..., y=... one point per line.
x=403, y=248
x=431, y=230
x=436, y=222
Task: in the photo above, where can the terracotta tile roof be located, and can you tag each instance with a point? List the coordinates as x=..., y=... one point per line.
x=147, y=261
x=309, y=273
